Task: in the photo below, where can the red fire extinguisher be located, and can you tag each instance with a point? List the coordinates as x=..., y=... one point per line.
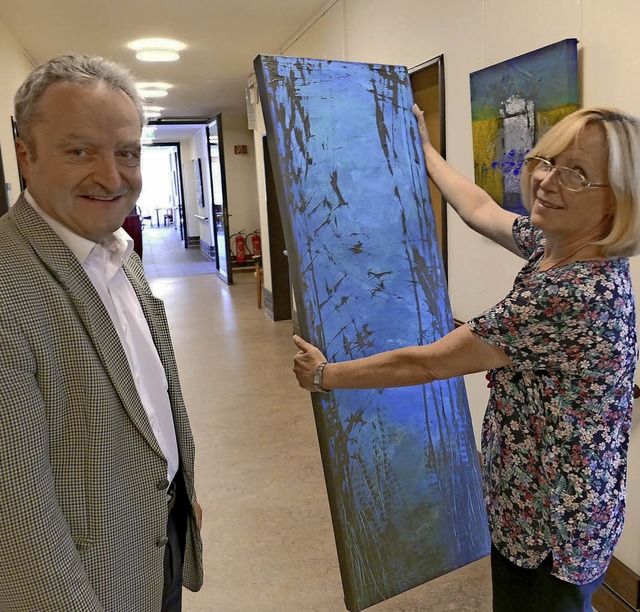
x=241, y=254
x=256, y=244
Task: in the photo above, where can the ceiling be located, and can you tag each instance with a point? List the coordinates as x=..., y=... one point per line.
x=222, y=37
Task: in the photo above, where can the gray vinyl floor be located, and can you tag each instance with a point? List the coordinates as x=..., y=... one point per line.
x=164, y=255
x=268, y=540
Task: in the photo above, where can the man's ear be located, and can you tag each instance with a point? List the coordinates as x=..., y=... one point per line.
x=24, y=159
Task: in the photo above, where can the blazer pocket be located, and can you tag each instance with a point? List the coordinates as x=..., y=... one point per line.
x=75, y=511
x=82, y=543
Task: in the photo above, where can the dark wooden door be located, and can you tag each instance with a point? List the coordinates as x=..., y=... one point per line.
x=280, y=286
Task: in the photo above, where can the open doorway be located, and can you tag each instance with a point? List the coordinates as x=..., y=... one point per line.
x=161, y=203
x=427, y=83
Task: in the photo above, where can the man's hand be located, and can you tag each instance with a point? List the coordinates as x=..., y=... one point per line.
x=197, y=508
x=306, y=362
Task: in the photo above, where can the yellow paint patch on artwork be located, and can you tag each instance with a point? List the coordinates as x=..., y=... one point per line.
x=487, y=147
x=547, y=119
x=485, y=134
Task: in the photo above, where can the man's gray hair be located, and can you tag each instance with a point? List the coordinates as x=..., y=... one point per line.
x=72, y=68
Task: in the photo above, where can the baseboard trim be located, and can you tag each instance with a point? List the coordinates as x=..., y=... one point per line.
x=605, y=600
x=624, y=583
x=207, y=250
x=267, y=303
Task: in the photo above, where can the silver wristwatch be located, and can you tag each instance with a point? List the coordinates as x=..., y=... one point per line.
x=317, y=379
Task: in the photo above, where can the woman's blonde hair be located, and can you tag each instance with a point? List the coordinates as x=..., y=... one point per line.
x=622, y=135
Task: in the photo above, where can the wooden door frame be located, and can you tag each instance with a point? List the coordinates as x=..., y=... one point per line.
x=278, y=304
x=437, y=64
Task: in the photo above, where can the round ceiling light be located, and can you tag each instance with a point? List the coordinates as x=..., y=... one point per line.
x=152, y=112
x=153, y=85
x=153, y=93
x=157, y=49
x=153, y=89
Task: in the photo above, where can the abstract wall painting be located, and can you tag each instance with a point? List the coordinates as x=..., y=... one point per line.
x=197, y=171
x=513, y=104
x=400, y=464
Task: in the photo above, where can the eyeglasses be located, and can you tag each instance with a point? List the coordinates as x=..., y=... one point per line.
x=567, y=177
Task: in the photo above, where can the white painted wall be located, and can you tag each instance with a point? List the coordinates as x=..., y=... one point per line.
x=188, y=182
x=326, y=39
x=240, y=172
x=199, y=151
x=14, y=68
x=187, y=154
x=190, y=149
x=474, y=35
x=259, y=132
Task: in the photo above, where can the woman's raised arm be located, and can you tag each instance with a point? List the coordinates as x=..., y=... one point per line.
x=474, y=205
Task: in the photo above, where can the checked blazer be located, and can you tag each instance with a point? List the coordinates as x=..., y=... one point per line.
x=83, y=510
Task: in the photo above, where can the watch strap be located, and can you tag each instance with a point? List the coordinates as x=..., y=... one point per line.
x=317, y=379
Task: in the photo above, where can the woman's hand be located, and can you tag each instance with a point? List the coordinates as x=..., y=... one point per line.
x=306, y=362
x=422, y=126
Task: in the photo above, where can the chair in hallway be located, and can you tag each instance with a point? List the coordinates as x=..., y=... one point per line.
x=144, y=216
x=168, y=216
x=133, y=226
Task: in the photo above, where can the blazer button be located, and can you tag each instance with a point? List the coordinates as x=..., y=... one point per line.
x=163, y=485
x=162, y=541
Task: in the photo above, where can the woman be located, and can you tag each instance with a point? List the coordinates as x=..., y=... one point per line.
x=561, y=352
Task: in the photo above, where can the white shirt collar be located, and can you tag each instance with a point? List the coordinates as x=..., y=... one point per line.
x=118, y=245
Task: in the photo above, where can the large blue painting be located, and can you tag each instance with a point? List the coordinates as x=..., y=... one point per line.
x=400, y=464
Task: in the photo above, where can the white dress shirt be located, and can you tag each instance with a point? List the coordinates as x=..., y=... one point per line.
x=103, y=265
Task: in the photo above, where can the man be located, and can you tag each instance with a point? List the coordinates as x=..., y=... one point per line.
x=98, y=509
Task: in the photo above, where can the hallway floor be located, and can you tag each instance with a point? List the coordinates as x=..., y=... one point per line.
x=165, y=257
x=267, y=531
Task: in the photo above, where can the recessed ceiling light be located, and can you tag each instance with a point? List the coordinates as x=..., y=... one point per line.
x=153, y=89
x=152, y=112
x=153, y=93
x=153, y=85
x=157, y=49
x=157, y=55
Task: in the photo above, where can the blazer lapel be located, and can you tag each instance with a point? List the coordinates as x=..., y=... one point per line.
x=155, y=314
x=154, y=311
x=92, y=314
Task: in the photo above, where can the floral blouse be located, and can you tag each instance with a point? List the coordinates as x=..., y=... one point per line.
x=556, y=431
